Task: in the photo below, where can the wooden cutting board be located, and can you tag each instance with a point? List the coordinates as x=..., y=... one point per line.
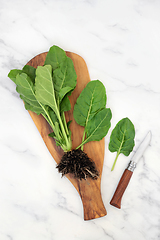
x=89, y=190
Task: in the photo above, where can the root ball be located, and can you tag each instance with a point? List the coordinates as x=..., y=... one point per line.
x=79, y=164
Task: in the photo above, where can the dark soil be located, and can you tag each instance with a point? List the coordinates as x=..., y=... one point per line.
x=79, y=164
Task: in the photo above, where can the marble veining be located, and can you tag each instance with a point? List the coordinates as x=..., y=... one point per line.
x=119, y=40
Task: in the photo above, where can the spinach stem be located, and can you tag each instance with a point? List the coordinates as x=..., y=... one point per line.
x=118, y=153
x=115, y=161
x=49, y=119
x=80, y=146
x=51, y=123
x=65, y=124
x=83, y=140
x=68, y=143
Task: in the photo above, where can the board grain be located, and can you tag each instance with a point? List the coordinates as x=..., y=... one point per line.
x=89, y=190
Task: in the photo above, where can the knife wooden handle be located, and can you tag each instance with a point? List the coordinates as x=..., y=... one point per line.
x=122, y=185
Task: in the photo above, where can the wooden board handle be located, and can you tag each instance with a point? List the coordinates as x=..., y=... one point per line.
x=123, y=183
x=92, y=200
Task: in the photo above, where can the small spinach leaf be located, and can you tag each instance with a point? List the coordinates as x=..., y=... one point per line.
x=122, y=138
x=65, y=104
x=30, y=71
x=13, y=73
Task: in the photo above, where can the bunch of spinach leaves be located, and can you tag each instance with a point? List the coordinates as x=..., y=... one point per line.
x=45, y=91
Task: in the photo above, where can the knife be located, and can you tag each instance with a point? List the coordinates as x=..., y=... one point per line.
x=127, y=174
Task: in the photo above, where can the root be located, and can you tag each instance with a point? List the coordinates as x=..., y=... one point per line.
x=79, y=164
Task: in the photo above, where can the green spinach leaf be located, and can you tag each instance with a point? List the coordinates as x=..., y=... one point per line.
x=30, y=71
x=55, y=56
x=99, y=126
x=44, y=87
x=64, y=79
x=122, y=138
x=13, y=73
x=91, y=100
x=25, y=88
x=65, y=103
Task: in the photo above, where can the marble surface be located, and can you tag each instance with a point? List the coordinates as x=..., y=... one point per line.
x=120, y=42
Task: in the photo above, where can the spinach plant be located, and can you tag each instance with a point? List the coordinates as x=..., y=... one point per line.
x=45, y=91
x=122, y=138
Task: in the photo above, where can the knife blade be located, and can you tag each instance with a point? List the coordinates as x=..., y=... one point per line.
x=127, y=174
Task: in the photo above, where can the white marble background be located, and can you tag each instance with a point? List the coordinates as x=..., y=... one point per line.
x=120, y=42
